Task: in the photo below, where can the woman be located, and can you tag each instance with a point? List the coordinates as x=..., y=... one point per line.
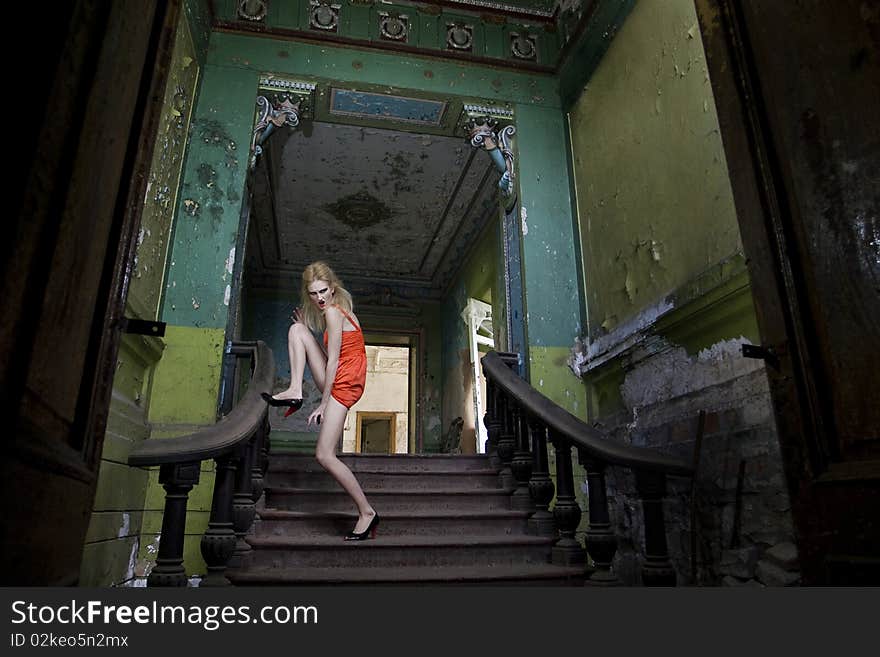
x=339, y=371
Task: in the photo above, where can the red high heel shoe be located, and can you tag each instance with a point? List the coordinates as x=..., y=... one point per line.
x=293, y=405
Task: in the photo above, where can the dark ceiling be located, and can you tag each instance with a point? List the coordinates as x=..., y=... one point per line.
x=388, y=209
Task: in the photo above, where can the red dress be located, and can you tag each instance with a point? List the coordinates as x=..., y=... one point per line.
x=351, y=375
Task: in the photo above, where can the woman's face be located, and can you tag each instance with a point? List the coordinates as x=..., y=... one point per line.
x=321, y=294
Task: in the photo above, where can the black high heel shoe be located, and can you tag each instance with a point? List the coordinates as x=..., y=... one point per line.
x=369, y=532
x=293, y=405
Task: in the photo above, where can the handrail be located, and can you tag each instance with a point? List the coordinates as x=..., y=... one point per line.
x=581, y=435
x=222, y=437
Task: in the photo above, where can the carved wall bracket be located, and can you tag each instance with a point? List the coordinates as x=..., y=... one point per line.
x=279, y=103
x=491, y=128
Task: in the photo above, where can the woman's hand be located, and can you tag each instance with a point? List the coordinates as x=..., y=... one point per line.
x=297, y=315
x=317, y=414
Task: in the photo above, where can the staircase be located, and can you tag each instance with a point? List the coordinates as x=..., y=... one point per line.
x=444, y=520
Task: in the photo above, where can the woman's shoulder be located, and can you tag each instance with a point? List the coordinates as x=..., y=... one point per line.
x=342, y=314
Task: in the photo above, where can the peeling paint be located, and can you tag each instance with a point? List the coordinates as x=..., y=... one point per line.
x=227, y=294
x=524, y=216
x=126, y=525
x=230, y=260
x=673, y=373
x=606, y=346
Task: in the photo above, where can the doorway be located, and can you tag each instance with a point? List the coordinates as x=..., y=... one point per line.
x=375, y=433
x=380, y=421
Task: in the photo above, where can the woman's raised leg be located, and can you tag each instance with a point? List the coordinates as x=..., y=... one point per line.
x=325, y=451
x=302, y=348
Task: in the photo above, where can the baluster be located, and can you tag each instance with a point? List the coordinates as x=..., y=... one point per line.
x=657, y=570
x=521, y=464
x=218, y=542
x=258, y=482
x=267, y=444
x=506, y=441
x=178, y=480
x=566, y=512
x=492, y=420
x=243, y=508
x=601, y=540
x=540, y=485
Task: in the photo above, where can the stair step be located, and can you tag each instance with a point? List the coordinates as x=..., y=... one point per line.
x=392, y=463
x=321, y=500
x=524, y=574
x=277, y=522
x=398, y=551
x=379, y=479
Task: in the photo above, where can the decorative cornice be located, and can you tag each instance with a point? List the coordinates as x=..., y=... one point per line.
x=313, y=36
x=496, y=7
x=282, y=84
x=494, y=111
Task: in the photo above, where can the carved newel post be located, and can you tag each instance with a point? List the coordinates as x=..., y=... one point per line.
x=218, y=541
x=178, y=480
x=243, y=507
x=492, y=421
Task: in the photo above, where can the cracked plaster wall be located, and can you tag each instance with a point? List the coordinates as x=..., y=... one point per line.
x=660, y=243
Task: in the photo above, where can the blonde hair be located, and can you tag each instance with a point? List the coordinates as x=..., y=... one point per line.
x=320, y=271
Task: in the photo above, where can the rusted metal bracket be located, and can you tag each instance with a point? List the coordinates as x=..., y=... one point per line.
x=142, y=327
x=767, y=354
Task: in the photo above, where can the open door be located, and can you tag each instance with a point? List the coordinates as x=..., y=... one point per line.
x=796, y=86
x=83, y=165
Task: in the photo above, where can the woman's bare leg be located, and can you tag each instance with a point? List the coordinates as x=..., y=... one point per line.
x=302, y=348
x=331, y=429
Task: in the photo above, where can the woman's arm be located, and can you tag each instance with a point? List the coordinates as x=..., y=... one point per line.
x=334, y=320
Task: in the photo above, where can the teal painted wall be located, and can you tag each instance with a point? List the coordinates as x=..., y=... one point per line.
x=551, y=282
x=210, y=200
x=198, y=15
x=390, y=70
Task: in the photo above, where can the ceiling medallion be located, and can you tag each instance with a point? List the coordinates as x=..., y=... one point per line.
x=394, y=26
x=253, y=10
x=323, y=15
x=522, y=46
x=460, y=36
x=359, y=211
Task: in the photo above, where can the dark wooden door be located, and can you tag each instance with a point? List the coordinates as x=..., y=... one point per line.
x=89, y=101
x=797, y=87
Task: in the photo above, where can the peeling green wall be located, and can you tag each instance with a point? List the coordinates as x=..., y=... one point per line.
x=550, y=274
x=198, y=16
x=157, y=217
x=384, y=69
x=210, y=201
x=654, y=200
